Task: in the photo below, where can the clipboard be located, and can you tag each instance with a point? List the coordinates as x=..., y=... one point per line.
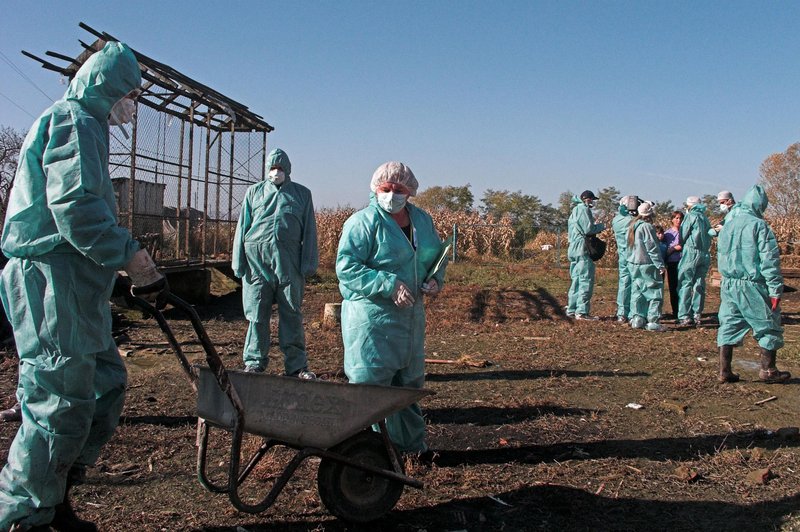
x=441, y=259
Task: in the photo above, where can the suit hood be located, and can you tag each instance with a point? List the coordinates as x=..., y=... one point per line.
x=755, y=200
x=104, y=79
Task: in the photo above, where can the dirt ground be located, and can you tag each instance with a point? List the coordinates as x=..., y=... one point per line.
x=542, y=437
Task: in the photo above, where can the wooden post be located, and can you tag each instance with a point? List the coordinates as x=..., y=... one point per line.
x=332, y=316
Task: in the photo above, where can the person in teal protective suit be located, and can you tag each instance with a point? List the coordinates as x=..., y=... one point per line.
x=727, y=205
x=274, y=251
x=385, y=253
x=65, y=246
x=695, y=262
x=748, y=259
x=620, y=224
x=581, y=267
x=646, y=266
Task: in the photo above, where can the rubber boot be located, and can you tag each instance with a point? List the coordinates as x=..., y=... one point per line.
x=725, y=358
x=12, y=415
x=65, y=518
x=769, y=371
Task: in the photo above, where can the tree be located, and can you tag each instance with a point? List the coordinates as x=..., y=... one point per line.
x=664, y=209
x=605, y=208
x=711, y=203
x=458, y=199
x=10, y=144
x=780, y=175
x=526, y=212
x=563, y=210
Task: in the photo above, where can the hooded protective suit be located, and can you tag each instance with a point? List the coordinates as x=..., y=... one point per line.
x=748, y=259
x=65, y=245
x=620, y=224
x=646, y=264
x=383, y=343
x=581, y=268
x=694, y=263
x=274, y=250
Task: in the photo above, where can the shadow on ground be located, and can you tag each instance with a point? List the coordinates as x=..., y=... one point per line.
x=555, y=507
x=501, y=305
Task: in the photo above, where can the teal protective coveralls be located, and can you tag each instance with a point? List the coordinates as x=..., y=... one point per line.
x=383, y=343
x=647, y=284
x=694, y=264
x=65, y=245
x=748, y=259
x=274, y=250
x=620, y=224
x=581, y=267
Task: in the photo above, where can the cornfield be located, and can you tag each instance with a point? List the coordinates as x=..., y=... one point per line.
x=787, y=231
x=329, y=230
x=477, y=236
x=487, y=237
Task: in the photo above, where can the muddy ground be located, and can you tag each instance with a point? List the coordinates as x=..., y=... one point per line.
x=541, y=438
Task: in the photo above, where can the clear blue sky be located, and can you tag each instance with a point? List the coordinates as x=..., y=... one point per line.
x=662, y=99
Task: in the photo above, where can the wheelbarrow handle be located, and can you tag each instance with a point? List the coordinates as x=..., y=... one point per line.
x=143, y=305
x=212, y=357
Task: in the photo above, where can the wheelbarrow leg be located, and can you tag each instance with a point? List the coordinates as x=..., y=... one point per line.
x=280, y=483
x=390, y=448
x=255, y=459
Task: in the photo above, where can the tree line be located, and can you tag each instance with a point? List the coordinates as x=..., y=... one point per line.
x=779, y=173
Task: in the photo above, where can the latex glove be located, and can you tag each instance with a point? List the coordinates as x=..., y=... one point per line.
x=662, y=271
x=718, y=228
x=402, y=296
x=148, y=283
x=430, y=288
x=774, y=302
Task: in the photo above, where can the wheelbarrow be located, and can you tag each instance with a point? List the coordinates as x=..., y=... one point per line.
x=360, y=476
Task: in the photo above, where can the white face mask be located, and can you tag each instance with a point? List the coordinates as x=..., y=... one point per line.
x=277, y=176
x=724, y=207
x=392, y=202
x=122, y=112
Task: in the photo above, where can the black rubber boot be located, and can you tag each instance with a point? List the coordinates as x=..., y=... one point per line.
x=769, y=371
x=12, y=415
x=725, y=358
x=65, y=519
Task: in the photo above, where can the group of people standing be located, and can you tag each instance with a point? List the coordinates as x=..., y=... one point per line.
x=748, y=259
x=647, y=254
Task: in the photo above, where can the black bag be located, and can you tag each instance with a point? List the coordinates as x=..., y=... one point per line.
x=595, y=247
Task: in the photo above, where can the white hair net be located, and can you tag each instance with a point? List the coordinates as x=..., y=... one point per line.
x=630, y=202
x=724, y=195
x=691, y=201
x=645, y=209
x=394, y=172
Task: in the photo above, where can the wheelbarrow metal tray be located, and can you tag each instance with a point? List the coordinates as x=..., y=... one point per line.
x=304, y=413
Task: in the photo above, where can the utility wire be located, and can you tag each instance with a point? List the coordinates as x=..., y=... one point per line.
x=22, y=74
x=15, y=104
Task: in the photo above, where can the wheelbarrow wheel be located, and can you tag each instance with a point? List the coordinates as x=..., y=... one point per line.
x=352, y=494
